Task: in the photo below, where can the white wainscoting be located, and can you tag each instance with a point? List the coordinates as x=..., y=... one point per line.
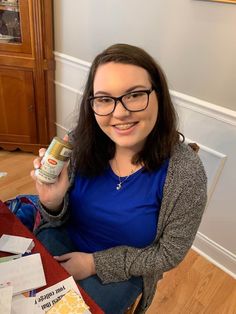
x=211, y=126
x=70, y=78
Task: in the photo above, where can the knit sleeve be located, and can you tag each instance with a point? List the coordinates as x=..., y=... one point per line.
x=55, y=218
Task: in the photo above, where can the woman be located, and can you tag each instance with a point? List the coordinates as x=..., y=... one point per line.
x=128, y=207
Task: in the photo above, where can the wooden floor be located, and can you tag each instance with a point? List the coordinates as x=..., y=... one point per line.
x=195, y=287
x=17, y=165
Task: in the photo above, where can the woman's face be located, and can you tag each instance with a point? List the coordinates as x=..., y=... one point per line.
x=126, y=129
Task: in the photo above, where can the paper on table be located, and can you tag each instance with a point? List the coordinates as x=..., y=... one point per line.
x=50, y=296
x=25, y=273
x=71, y=302
x=5, y=299
x=24, y=306
x=9, y=258
x=15, y=244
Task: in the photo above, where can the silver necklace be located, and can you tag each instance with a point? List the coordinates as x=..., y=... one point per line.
x=119, y=184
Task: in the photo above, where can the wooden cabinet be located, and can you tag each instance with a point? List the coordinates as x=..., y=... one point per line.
x=27, y=100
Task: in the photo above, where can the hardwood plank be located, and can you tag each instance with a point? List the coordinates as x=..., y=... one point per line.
x=195, y=286
x=224, y=300
x=18, y=181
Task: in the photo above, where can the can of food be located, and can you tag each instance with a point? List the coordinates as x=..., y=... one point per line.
x=56, y=155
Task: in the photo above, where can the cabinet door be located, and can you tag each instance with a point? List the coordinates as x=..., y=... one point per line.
x=17, y=108
x=15, y=26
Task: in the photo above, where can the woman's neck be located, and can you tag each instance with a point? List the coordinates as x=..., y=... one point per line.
x=121, y=164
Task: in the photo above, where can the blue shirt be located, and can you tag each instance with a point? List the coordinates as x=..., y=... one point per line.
x=103, y=217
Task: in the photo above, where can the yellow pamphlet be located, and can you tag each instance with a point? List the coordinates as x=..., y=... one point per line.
x=70, y=303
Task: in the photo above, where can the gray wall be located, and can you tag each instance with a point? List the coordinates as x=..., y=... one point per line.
x=194, y=41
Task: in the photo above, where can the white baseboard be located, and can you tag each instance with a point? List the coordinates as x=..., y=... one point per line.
x=215, y=253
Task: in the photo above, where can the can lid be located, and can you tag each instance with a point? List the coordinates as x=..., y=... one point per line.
x=63, y=142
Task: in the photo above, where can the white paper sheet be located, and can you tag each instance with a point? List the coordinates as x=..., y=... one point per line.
x=5, y=299
x=24, y=306
x=15, y=244
x=25, y=273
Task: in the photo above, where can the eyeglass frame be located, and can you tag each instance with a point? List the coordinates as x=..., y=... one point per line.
x=119, y=99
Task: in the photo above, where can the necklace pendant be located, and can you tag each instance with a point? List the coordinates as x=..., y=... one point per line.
x=118, y=187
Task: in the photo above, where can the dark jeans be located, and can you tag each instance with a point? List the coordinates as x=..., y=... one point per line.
x=113, y=298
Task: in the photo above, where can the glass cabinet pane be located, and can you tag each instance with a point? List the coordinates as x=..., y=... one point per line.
x=10, y=28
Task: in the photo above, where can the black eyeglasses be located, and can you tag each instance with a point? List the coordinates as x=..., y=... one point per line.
x=133, y=101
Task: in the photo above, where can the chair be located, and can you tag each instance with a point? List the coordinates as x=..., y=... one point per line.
x=194, y=146
x=132, y=308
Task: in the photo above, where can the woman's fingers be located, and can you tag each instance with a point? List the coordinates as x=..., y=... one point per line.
x=32, y=174
x=63, y=258
x=42, y=152
x=34, y=177
x=37, y=163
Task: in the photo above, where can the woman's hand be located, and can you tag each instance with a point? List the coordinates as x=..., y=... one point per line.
x=51, y=195
x=79, y=265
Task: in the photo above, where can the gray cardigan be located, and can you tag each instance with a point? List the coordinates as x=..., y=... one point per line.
x=183, y=203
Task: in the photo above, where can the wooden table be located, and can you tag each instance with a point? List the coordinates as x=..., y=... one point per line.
x=10, y=224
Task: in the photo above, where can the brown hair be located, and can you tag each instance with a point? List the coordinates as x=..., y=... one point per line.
x=93, y=148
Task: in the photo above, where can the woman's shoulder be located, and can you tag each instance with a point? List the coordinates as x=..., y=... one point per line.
x=183, y=152
x=186, y=162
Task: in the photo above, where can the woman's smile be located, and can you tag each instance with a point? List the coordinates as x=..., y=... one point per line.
x=124, y=128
